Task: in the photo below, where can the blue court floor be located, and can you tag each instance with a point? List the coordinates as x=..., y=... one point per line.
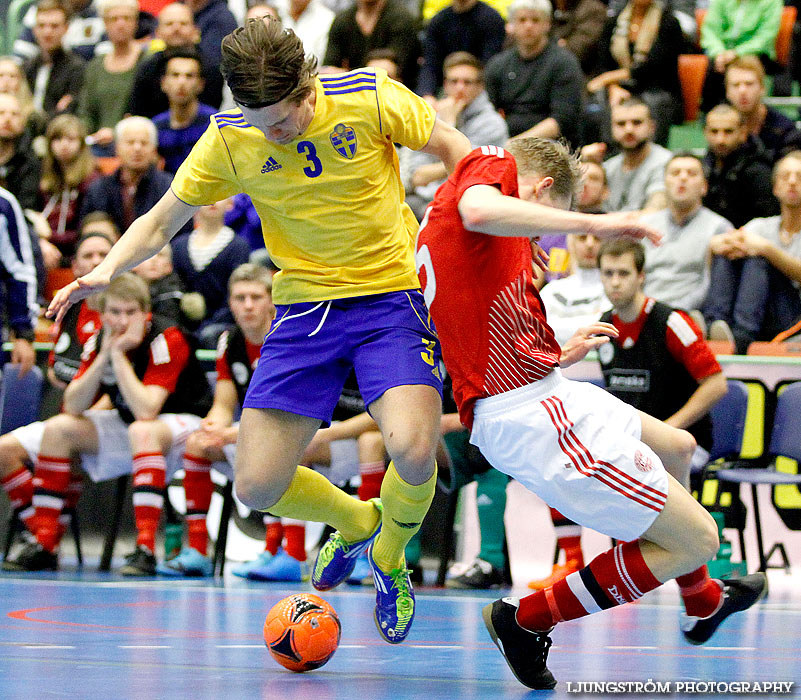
x=86, y=635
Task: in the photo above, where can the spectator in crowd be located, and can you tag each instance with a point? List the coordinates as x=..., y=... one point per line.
x=638, y=54
x=176, y=30
x=735, y=28
x=537, y=85
x=136, y=185
x=84, y=31
x=109, y=78
x=738, y=170
x=578, y=299
x=311, y=20
x=387, y=60
x=99, y=222
x=187, y=118
x=465, y=25
x=55, y=75
x=577, y=25
x=677, y=271
x=756, y=270
x=13, y=82
x=745, y=90
x=149, y=372
x=204, y=260
x=594, y=190
x=20, y=447
x=18, y=276
x=68, y=170
x=465, y=106
x=374, y=24
x=20, y=169
x=213, y=20
x=636, y=175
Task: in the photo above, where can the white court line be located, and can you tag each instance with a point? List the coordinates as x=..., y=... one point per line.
x=47, y=646
x=436, y=646
x=728, y=648
x=144, y=646
x=240, y=646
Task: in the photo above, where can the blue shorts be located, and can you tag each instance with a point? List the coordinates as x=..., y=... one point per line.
x=388, y=339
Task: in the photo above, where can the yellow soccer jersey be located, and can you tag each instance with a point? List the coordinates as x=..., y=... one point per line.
x=331, y=201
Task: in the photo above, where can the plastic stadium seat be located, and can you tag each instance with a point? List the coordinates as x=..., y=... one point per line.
x=775, y=349
x=692, y=73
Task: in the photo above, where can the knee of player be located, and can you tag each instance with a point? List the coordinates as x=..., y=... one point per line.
x=144, y=436
x=254, y=491
x=61, y=430
x=194, y=446
x=12, y=455
x=705, y=536
x=415, y=451
x=685, y=445
x=371, y=446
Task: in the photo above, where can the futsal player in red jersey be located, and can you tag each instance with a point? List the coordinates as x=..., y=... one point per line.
x=594, y=458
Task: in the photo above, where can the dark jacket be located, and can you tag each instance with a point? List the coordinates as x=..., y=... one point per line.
x=66, y=78
x=20, y=175
x=581, y=26
x=214, y=21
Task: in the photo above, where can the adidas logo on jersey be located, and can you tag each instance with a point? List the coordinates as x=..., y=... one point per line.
x=270, y=165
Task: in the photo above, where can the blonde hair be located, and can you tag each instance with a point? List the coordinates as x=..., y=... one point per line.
x=57, y=176
x=547, y=158
x=23, y=93
x=250, y=272
x=126, y=287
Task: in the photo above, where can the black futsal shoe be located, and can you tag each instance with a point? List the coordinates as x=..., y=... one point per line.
x=526, y=652
x=140, y=562
x=32, y=557
x=738, y=594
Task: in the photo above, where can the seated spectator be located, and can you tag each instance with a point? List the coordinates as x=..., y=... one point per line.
x=84, y=31
x=13, y=82
x=677, y=271
x=369, y=25
x=136, y=185
x=578, y=299
x=468, y=26
x=176, y=30
x=214, y=21
x=55, y=75
x=99, y=222
x=311, y=20
x=20, y=447
x=537, y=85
x=594, y=190
x=756, y=270
x=735, y=28
x=109, y=78
x=385, y=59
x=738, y=170
x=148, y=370
x=465, y=106
x=638, y=55
x=67, y=171
x=204, y=260
x=745, y=90
x=20, y=169
x=636, y=175
x=187, y=118
x=577, y=25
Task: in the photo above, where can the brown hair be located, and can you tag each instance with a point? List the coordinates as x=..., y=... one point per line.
x=548, y=158
x=93, y=217
x=749, y=63
x=126, y=287
x=263, y=63
x=50, y=5
x=620, y=246
x=55, y=176
x=463, y=58
x=251, y=272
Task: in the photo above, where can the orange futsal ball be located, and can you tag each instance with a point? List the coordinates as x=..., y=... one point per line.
x=302, y=632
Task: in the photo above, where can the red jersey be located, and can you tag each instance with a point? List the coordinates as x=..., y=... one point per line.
x=480, y=291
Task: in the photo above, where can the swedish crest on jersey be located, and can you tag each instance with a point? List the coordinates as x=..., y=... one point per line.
x=343, y=139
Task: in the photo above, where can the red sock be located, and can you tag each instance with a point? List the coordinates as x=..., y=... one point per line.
x=51, y=479
x=372, y=475
x=294, y=538
x=701, y=594
x=19, y=487
x=274, y=534
x=149, y=473
x=568, y=537
x=617, y=576
x=198, y=487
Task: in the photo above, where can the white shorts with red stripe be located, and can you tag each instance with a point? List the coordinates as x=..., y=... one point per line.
x=578, y=448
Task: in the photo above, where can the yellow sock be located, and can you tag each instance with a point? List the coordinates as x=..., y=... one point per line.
x=311, y=496
x=405, y=506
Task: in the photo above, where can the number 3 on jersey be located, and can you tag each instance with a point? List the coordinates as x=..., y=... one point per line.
x=308, y=149
x=422, y=258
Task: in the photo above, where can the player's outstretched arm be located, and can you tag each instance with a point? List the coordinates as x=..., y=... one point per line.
x=145, y=237
x=484, y=209
x=448, y=144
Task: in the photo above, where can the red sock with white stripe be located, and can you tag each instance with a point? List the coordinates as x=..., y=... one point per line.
x=149, y=473
x=198, y=487
x=568, y=537
x=372, y=474
x=294, y=538
x=51, y=479
x=274, y=534
x=19, y=487
x=702, y=595
x=617, y=576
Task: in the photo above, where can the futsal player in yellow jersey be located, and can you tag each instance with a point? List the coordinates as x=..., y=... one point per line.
x=316, y=156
